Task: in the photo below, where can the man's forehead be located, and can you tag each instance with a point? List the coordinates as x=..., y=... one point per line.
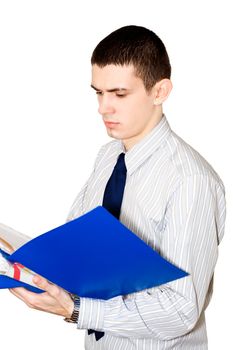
x=113, y=77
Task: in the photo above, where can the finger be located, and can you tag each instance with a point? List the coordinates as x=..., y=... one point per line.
x=21, y=293
x=50, y=288
x=16, y=293
x=29, y=298
x=39, y=279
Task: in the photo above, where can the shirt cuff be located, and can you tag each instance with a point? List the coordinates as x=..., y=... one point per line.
x=91, y=314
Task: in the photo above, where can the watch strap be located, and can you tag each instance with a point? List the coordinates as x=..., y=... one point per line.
x=75, y=314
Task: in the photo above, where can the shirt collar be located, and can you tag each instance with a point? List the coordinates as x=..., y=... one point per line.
x=146, y=146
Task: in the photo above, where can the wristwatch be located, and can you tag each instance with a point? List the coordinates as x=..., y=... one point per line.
x=74, y=317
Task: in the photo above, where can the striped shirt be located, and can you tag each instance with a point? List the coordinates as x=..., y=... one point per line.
x=175, y=202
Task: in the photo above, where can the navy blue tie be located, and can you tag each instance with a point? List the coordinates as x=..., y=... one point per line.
x=112, y=200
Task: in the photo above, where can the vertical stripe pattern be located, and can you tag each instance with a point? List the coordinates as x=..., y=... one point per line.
x=175, y=202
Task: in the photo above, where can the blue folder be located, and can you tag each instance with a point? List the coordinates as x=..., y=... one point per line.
x=94, y=256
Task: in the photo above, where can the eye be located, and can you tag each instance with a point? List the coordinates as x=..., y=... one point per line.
x=99, y=93
x=120, y=95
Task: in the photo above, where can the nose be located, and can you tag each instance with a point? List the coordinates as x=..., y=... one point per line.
x=105, y=106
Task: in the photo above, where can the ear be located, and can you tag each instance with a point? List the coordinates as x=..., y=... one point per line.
x=161, y=91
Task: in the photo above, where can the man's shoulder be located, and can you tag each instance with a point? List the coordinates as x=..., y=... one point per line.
x=187, y=161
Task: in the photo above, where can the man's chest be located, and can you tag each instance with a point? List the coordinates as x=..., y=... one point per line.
x=144, y=203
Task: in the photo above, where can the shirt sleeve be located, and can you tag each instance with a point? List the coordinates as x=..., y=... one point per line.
x=194, y=225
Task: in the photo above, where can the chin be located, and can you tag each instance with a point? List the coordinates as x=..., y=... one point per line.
x=115, y=135
x=119, y=135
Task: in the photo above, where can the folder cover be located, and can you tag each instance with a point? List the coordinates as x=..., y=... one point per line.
x=94, y=256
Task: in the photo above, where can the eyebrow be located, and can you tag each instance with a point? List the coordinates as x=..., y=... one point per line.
x=110, y=90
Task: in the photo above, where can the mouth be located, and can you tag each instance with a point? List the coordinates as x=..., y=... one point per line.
x=110, y=124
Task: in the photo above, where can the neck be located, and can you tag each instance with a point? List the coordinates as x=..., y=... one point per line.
x=129, y=143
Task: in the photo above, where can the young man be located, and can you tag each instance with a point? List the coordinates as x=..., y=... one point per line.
x=172, y=199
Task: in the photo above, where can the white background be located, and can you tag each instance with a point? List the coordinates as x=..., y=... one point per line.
x=50, y=130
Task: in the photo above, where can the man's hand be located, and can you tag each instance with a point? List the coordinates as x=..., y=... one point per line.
x=54, y=300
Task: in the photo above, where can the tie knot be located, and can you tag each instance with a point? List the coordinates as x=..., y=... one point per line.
x=120, y=165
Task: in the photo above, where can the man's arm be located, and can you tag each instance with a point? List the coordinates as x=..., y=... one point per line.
x=55, y=300
x=194, y=225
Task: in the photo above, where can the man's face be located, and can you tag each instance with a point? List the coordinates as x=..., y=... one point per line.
x=126, y=107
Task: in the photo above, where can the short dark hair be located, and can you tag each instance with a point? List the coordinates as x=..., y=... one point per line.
x=138, y=46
